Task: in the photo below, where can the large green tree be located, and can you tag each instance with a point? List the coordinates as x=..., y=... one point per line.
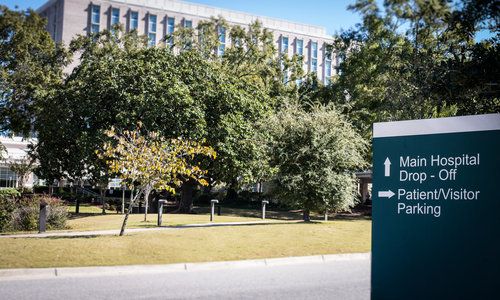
x=118, y=82
x=315, y=154
x=30, y=69
x=416, y=59
x=182, y=93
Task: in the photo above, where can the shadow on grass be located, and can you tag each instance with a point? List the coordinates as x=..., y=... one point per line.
x=74, y=216
x=180, y=226
x=68, y=237
x=285, y=215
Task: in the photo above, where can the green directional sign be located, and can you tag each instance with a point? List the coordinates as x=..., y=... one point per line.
x=436, y=209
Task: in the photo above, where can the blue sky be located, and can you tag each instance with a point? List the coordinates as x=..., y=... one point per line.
x=331, y=14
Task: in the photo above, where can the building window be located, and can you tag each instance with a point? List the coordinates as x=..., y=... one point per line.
x=95, y=18
x=299, y=50
x=115, y=16
x=134, y=20
x=314, y=57
x=8, y=178
x=338, y=61
x=152, y=30
x=222, y=40
x=170, y=30
x=328, y=67
x=284, y=44
x=188, y=23
x=299, y=47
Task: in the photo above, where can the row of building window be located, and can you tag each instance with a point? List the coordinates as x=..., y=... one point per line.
x=299, y=50
x=152, y=21
x=95, y=20
x=8, y=178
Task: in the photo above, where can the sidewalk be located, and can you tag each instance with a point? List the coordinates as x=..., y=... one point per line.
x=134, y=230
x=48, y=273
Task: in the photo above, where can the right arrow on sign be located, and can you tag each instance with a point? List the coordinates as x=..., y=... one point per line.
x=386, y=194
x=387, y=164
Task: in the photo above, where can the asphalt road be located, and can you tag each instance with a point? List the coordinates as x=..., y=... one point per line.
x=348, y=279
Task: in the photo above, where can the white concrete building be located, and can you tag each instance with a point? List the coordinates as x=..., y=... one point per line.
x=15, y=152
x=159, y=18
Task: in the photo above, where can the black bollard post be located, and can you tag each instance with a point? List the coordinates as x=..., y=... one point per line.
x=42, y=220
x=218, y=210
x=212, y=209
x=160, y=211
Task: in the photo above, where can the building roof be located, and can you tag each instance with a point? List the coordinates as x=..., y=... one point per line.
x=16, y=147
x=232, y=16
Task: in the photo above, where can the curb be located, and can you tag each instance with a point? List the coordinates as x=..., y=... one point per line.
x=47, y=273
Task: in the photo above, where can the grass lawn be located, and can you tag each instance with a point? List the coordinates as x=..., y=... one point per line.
x=86, y=208
x=114, y=221
x=189, y=245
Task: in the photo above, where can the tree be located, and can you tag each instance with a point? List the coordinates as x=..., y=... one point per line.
x=315, y=155
x=415, y=59
x=153, y=162
x=30, y=69
x=118, y=82
x=237, y=89
x=192, y=93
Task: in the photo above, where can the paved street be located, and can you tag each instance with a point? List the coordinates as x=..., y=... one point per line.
x=337, y=279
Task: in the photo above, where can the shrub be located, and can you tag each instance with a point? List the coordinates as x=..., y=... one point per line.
x=25, y=216
x=57, y=216
x=7, y=206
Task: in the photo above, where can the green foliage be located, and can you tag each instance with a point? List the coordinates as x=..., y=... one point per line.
x=153, y=161
x=315, y=155
x=189, y=94
x=416, y=59
x=10, y=192
x=30, y=68
x=7, y=206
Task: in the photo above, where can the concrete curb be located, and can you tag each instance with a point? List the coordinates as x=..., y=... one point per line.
x=48, y=273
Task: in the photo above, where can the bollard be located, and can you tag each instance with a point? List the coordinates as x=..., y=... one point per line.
x=212, y=208
x=160, y=211
x=42, y=221
x=218, y=210
x=326, y=214
x=264, y=202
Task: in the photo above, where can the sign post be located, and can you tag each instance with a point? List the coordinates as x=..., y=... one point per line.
x=436, y=208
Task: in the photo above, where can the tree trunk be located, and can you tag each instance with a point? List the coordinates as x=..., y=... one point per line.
x=232, y=194
x=186, y=205
x=147, y=191
x=132, y=202
x=306, y=215
x=123, y=200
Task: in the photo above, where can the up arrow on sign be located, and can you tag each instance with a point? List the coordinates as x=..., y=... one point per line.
x=387, y=164
x=386, y=194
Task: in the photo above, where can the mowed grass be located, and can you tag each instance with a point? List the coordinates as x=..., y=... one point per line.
x=114, y=221
x=86, y=208
x=189, y=245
